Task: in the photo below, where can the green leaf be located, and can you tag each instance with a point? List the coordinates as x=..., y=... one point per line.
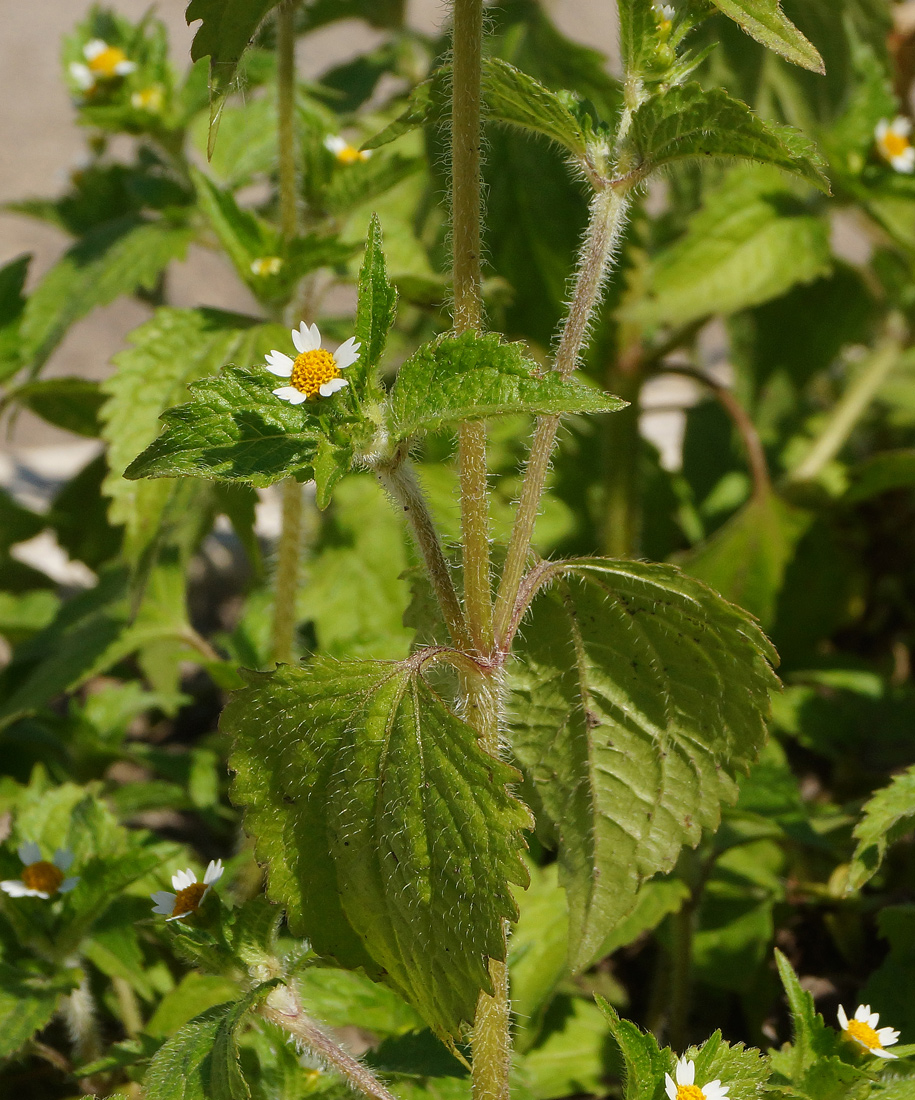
x=169, y=351
x=811, y=1039
x=428, y=102
x=645, y=1062
x=27, y=1003
x=341, y=998
x=886, y=818
x=365, y=181
x=118, y=258
x=330, y=464
x=377, y=306
x=69, y=403
x=201, y=1061
x=742, y=1069
x=12, y=304
x=227, y=28
x=512, y=97
x=746, y=559
x=571, y=1060
x=881, y=474
x=637, y=696
x=765, y=21
x=470, y=377
x=638, y=34
x=388, y=832
x=655, y=900
x=686, y=122
x=749, y=243
x=234, y=429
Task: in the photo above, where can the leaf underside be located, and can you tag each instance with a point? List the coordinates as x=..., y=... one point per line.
x=637, y=696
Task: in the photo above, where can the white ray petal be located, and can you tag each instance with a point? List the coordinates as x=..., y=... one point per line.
x=862, y=1012
x=82, y=76
x=290, y=394
x=63, y=859
x=68, y=884
x=335, y=144
x=670, y=1086
x=182, y=879
x=279, y=364
x=883, y=1053
x=14, y=888
x=901, y=126
x=888, y=1036
x=347, y=353
x=29, y=852
x=124, y=67
x=213, y=872
x=843, y=1019
x=93, y=48
x=331, y=387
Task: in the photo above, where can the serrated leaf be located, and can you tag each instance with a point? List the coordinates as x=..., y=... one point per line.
x=637, y=697
x=118, y=258
x=227, y=28
x=765, y=21
x=357, y=184
x=654, y=901
x=201, y=1062
x=742, y=1069
x=687, y=122
x=516, y=99
x=169, y=351
x=27, y=1003
x=886, y=817
x=811, y=1039
x=428, y=101
x=749, y=243
x=746, y=559
x=638, y=34
x=377, y=305
x=388, y=832
x=234, y=429
x=645, y=1062
x=470, y=377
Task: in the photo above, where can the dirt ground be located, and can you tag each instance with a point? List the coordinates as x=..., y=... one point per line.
x=40, y=144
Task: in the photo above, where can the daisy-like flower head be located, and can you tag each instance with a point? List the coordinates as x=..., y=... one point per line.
x=666, y=12
x=41, y=879
x=189, y=892
x=266, y=265
x=103, y=62
x=894, y=145
x=863, y=1029
x=685, y=1087
x=343, y=151
x=314, y=372
x=148, y=99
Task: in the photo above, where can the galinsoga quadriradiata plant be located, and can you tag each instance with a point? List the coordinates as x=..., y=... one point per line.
x=384, y=798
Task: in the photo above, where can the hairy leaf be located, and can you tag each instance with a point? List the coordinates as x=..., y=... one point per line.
x=234, y=429
x=811, y=1038
x=886, y=817
x=377, y=306
x=750, y=242
x=118, y=258
x=469, y=377
x=645, y=1062
x=27, y=1003
x=638, y=33
x=388, y=832
x=687, y=122
x=767, y=23
x=742, y=1069
x=514, y=98
x=637, y=697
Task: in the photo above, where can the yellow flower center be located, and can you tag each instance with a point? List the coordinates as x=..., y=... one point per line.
x=690, y=1092
x=43, y=876
x=106, y=63
x=149, y=99
x=312, y=369
x=349, y=154
x=188, y=900
x=894, y=144
x=865, y=1034
x=267, y=265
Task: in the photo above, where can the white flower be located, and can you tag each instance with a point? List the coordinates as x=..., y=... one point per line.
x=314, y=371
x=863, y=1029
x=266, y=265
x=667, y=12
x=148, y=99
x=893, y=143
x=685, y=1088
x=343, y=151
x=104, y=62
x=41, y=879
x=190, y=892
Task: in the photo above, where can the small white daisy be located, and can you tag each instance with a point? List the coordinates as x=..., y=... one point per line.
x=343, y=151
x=148, y=99
x=894, y=145
x=314, y=371
x=41, y=879
x=266, y=265
x=190, y=892
x=863, y=1029
x=685, y=1088
x=666, y=11
x=103, y=62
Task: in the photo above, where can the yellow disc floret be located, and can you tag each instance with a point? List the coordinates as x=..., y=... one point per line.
x=311, y=370
x=689, y=1092
x=106, y=63
x=43, y=876
x=188, y=900
x=865, y=1034
x=894, y=144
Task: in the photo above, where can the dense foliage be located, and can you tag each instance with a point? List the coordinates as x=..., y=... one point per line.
x=411, y=773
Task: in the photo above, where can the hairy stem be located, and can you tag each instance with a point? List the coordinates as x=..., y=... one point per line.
x=286, y=584
x=853, y=405
x=608, y=217
x=399, y=479
x=465, y=217
x=283, y=1008
x=78, y=1012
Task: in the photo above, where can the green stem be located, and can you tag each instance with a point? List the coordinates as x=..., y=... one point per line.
x=283, y=1008
x=286, y=585
x=846, y=414
x=399, y=479
x=608, y=217
x=466, y=206
x=681, y=976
